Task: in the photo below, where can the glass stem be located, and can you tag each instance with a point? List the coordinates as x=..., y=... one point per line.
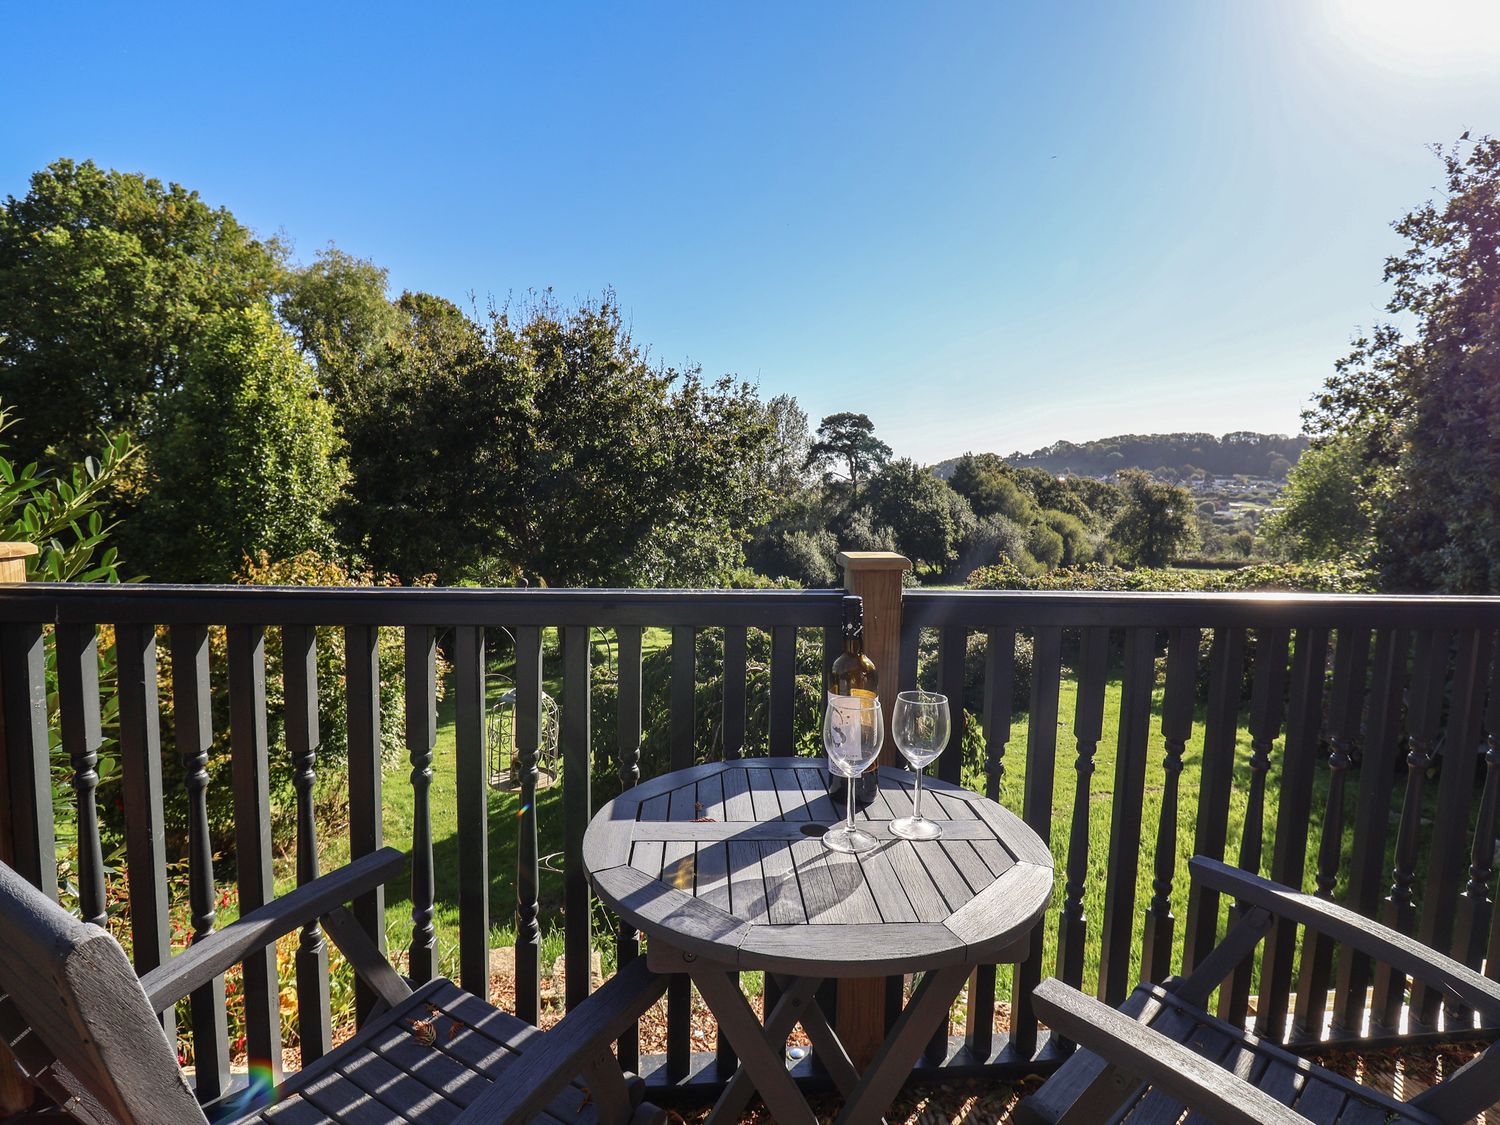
x=850, y=788
x=916, y=808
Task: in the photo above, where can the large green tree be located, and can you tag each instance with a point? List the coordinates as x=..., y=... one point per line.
x=544, y=447
x=242, y=457
x=338, y=311
x=847, y=441
x=1419, y=399
x=1156, y=521
x=1322, y=515
x=106, y=281
x=929, y=520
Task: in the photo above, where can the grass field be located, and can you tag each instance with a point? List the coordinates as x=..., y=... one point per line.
x=503, y=809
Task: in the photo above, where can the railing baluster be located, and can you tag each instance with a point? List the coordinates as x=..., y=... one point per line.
x=78, y=704
x=193, y=730
x=23, y=688
x=1125, y=821
x=577, y=808
x=250, y=759
x=1424, y=713
x=628, y=661
x=783, y=688
x=1088, y=728
x=1476, y=907
x=141, y=791
x=1226, y=678
x=1351, y=659
x=420, y=644
x=1293, y=822
x=473, y=782
x=681, y=716
x=733, y=726
x=1041, y=763
x=528, y=877
x=684, y=689
x=951, y=650
x=1371, y=812
x=299, y=661
x=999, y=673
x=1176, y=729
x=1267, y=698
x=366, y=828
x=1440, y=893
x=734, y=691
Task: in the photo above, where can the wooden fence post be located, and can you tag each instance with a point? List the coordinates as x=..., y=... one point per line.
x=876, y=577
x=15, y=1092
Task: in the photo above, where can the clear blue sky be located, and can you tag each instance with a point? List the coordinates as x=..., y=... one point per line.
x=986, y=225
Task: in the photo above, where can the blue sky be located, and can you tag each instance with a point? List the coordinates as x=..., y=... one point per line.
x=988, y=226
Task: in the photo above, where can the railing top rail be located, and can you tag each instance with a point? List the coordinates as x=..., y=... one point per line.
x=143, y=603
x=978, y=609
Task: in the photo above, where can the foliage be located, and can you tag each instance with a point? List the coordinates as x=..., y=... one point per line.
x=1423, y=410
x=107, y=280
x=337, y=310
x=1155, y=522
x=62, y=514
x=849, y=440
x=929, y=520
x=1320, y=578
x=1044, y=545
x=243, y=456
x=1323, y=511
x=554, y=452
x=990, y=487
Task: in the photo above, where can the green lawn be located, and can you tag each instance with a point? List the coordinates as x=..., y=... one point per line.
x=503, y=809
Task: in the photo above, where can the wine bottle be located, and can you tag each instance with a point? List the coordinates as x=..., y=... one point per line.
x=853, y=673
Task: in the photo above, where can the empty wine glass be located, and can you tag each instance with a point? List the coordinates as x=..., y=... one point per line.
x=920, y=726
x=853, y=729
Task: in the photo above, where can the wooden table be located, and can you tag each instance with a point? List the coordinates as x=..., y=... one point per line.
x=720, y=866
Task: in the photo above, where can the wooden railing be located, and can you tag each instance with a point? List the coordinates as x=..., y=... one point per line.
x=1367, y=770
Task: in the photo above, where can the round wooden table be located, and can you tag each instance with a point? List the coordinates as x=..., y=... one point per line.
x=721, y=867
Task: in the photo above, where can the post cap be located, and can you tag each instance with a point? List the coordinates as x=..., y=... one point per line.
x=873, y=560
x=17, y=550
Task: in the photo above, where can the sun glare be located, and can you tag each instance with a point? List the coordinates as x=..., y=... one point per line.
x=1418, y=35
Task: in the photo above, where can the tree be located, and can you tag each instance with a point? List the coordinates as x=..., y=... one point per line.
x=788, y=446
x=337, y=310
x=554, y=452
x=991, y=488
x=1423, y=410
x=242, y=458
x=106, y=280
x=1322, y=514
x=849, y=440
x=930, y=521
x=1156, y=522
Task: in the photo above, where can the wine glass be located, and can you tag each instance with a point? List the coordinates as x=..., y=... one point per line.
x=920, y=725
x=853, y=729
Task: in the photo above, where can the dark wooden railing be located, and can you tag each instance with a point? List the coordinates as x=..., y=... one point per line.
x=1368, y=771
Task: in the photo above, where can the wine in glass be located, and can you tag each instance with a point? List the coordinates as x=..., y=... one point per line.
x=853, y=729
x=920, y=726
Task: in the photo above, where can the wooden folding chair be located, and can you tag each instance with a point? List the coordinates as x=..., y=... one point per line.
x=1161, y=1054
x=93, y=1039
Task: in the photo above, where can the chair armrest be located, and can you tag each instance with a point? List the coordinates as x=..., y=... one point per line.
x=546, y=1068
x=1137, y=1050
x=202, y=961
x=1382, y=943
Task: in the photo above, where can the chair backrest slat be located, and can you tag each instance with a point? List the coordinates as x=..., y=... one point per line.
x=74, y=987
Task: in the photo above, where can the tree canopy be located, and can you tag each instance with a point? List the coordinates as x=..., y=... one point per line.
x=1416, y=410
x=848, y=440
x=106, y=280
x=1156, y=521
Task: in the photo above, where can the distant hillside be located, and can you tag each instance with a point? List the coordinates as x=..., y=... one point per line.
x=1254, y=455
